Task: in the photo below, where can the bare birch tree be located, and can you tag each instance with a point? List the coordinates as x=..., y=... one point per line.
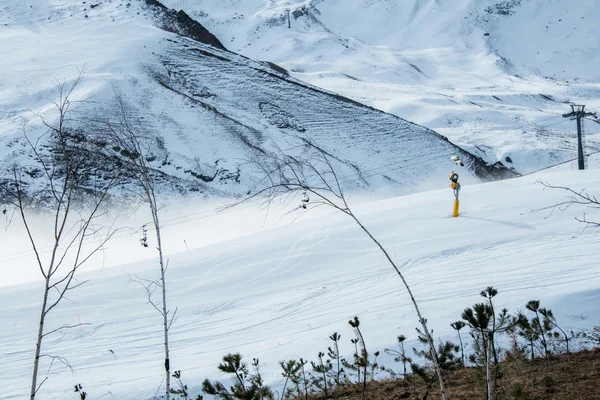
x=58, y=182
x=135, y=146
x=313, y=173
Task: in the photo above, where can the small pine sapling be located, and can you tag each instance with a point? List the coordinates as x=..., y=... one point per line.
x=291, y=372
x=375, y=365
x=501, y=324
x=448, y=355
x=400, y=355
x=182, y=391
x=360, y=360
x=550, y=320
x=322, y=368
x=479, y=318
x=489, y=293
x=353, y=366
x=79, y=389
x=304, y=380
x=457, y=326
x=425, y=374
x=334, y=354
x=247, y=386
x=445, y=352
x=515, y=351
x=257, y=382
x=541, y=325
x=526, y=330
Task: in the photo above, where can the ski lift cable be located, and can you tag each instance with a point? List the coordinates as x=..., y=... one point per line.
x=593, y=120
x=556, y=123
x=548, y=119
x=560, y=163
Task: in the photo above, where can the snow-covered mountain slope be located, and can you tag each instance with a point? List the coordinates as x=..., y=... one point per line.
x=279, y=294
x=492, y=75
x=214, y=109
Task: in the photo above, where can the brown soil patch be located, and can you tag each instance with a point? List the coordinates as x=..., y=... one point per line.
x=566, y=377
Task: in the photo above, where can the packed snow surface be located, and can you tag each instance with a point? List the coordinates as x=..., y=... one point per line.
x=278, y=294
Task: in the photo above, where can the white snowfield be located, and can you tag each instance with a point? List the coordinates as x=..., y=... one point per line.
x=494, y=76
x=279, y=294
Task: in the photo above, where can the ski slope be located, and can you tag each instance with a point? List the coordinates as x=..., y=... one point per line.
x=494, y=76
x=278, y=294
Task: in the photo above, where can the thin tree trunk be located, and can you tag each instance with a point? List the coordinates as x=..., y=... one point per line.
x=488, y=364
x=462, y=350
x=542, y=337
x=422, y=320
x=38, y=344
x=337, y=352
x=493, y=343
x=324, y=381
x=164, y=302
x=493, y=340
x=532, y=353
x=284, y=385
x=365, y=355
x=305, y=384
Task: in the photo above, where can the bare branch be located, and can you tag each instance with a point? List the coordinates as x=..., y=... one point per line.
x=149, y=288
x=172, y=318
x=66, y=327
x=573, y=198
x=60, y=359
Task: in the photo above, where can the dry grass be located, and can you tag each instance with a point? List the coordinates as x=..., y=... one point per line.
x=569, y=376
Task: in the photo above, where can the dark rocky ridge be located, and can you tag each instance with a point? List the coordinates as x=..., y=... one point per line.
x=181, y=23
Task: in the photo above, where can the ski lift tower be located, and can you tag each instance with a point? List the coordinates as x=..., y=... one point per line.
x=578, y=112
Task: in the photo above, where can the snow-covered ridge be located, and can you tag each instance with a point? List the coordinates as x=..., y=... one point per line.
x=214, y=108
x=494, y=76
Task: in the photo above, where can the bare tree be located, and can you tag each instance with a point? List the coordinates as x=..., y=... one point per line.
x=59, y=181
x=135, y=147
x=314, y=175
